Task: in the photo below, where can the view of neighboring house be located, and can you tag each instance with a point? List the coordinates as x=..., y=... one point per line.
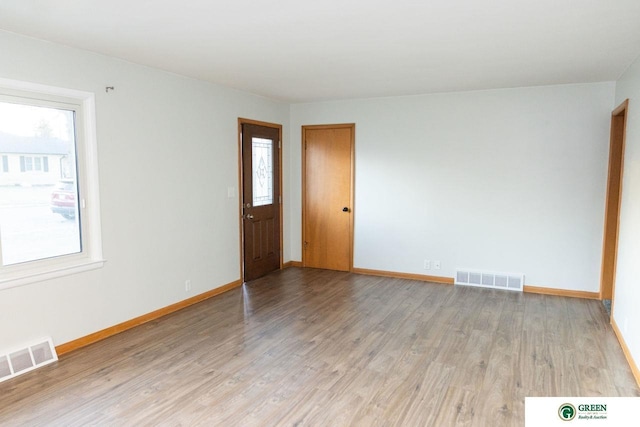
x=32, y=160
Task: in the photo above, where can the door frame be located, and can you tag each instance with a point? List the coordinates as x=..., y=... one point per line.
x=617, y=141
x=243, y=121
x=351, y=126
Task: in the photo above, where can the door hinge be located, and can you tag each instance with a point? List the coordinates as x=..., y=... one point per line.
x=280, y=199
x=279, y=144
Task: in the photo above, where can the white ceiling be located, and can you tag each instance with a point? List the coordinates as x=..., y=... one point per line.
x=303, y=50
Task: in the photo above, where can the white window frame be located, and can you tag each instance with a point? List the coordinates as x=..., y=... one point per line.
x=90, y=257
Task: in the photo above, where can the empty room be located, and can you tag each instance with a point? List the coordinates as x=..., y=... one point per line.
x=319, y=213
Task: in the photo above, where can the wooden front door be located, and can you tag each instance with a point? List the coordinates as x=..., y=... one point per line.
x=328, y=196
x=260, y=199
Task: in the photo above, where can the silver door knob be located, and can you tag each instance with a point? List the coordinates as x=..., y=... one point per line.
x=248, y=216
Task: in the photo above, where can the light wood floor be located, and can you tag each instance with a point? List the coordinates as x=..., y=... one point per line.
x=313, y=347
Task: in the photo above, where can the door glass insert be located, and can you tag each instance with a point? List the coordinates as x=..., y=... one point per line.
x=262, y=168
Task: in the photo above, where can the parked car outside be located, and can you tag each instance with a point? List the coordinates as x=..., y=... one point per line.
x=63, y=199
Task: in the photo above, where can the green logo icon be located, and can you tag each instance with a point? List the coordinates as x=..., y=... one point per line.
x=567, y=412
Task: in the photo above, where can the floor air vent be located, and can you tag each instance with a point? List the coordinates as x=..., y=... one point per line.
x=485, y=279
x=27, y=358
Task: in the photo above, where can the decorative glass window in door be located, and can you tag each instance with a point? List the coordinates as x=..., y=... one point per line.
x=262, y=165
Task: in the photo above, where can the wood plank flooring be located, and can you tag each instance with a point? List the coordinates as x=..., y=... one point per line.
x=321, y=348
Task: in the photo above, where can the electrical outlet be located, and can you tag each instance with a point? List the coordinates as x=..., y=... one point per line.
x=427, y=264
x=187, y=285
x=436, y=265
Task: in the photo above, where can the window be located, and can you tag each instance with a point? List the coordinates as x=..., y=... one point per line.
x=28, y=164
x=49, y=211
x=262, y=174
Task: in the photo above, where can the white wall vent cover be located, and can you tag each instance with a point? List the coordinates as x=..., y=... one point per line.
x=486, y=279
x=27, y=358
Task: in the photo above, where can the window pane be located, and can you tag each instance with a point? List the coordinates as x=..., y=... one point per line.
x=39, y=215
x=262, y=165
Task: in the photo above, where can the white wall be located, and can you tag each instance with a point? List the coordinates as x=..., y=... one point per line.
x=167, y=153
x=627, y=287
x=506, y=180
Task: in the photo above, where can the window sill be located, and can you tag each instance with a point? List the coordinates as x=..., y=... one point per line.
x=52, y=272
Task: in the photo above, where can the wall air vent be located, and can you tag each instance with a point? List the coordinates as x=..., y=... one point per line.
x=26, y=358
x=486, y=279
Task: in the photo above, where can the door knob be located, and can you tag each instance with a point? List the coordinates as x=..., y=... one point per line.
x=345, y=209
x=248, y=216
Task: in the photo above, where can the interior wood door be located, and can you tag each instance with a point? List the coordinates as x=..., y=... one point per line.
x=328, y=196
x=260, y=200
x=613, y=199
